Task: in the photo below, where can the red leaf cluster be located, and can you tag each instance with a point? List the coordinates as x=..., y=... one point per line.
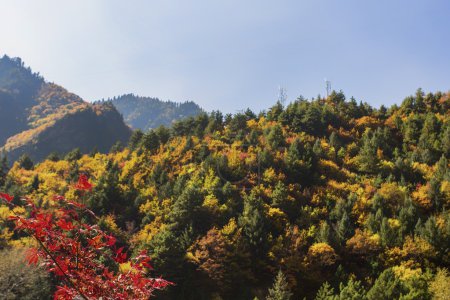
x=82, y=256
x=83, y=183
x=7, y=197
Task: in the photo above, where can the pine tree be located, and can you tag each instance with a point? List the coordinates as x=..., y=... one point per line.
x=367, y=157
x=73, y=155
x=34, y=183
x=135, y=139
x=25, y=162
x=186, y=209
x=117, y=147
x=445, y=140
x=300, y=162
x=354, y=290
x=317, y=148
x=387, y=233
x=54, y=156
x=387, y=286
x=253, y=222
x=3, y=169
x=150, y=141
x=106, y=196
x=326, y=292
x=280, y=289
x=334, y=141
x=275, y=137
x=344, y=228
x=275, y=111
x=323, y=235
x=280, y=196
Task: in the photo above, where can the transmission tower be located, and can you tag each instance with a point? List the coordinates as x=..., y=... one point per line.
x=328, y=87
x=282, y=96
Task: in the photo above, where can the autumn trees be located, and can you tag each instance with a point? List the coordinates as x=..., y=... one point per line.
x=345, y=200
x=84, y=259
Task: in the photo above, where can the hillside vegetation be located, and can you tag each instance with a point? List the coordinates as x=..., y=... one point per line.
x=146, y=113
x=41, y=117
x=325, y=199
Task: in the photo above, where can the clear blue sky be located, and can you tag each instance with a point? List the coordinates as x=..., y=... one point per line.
x=230, y=55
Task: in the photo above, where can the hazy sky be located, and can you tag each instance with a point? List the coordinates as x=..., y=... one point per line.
x=230, y=55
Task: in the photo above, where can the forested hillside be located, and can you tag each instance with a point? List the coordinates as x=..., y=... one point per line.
x=325, y=199
x=147, y=113
x=39, y=117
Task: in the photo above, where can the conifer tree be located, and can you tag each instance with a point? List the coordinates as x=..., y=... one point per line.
x=3, y=169
x=326, y=292
x=253, y=222
x=275, y=137
x=150, y=141
x=353, y=290
x=280, y=289
x=135, y=139
x=25, y=162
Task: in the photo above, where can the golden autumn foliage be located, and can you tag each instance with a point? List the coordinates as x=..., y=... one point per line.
x=321, y=254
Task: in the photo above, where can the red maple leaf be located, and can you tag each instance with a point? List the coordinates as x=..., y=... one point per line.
x=83, y=183
x=7, y=197
x=32, y=256
x=110, y=240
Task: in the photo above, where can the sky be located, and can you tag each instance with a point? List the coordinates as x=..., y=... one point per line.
x=231, y=55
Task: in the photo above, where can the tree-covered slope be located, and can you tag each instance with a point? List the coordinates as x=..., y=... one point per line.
x=346, y=200
x=147, y=113
x=40, y=117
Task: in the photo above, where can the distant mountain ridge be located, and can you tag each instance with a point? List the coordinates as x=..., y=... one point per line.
x=39, y=117
x=146, y=112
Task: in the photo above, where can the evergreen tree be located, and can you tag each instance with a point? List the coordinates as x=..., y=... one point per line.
x=280, y=289
x=117, y=147
x=344, y=228
x=73, y=155
x=150, y=141
x=54, y=156
x=3, y=169
x=367, y=158
x=388, y=234
x=106, y=196
x=334, y=141
x=275, y=137
x=317, y=148
x=300, y=162
x=445, y=140
x=280, y=196
x=326, y=292
x=25, y=162
x=275, y=111
x=253, y=223
x=135, y=139
x=215, y=122
x=353, y=290
x=34, y=183
x=387, y=286
x=187, y=210
x=323, y=236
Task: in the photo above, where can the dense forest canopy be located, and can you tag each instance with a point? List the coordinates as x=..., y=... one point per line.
x=324, y=199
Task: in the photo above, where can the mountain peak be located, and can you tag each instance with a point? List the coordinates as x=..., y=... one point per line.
x=42, y=117
x=148, y=112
